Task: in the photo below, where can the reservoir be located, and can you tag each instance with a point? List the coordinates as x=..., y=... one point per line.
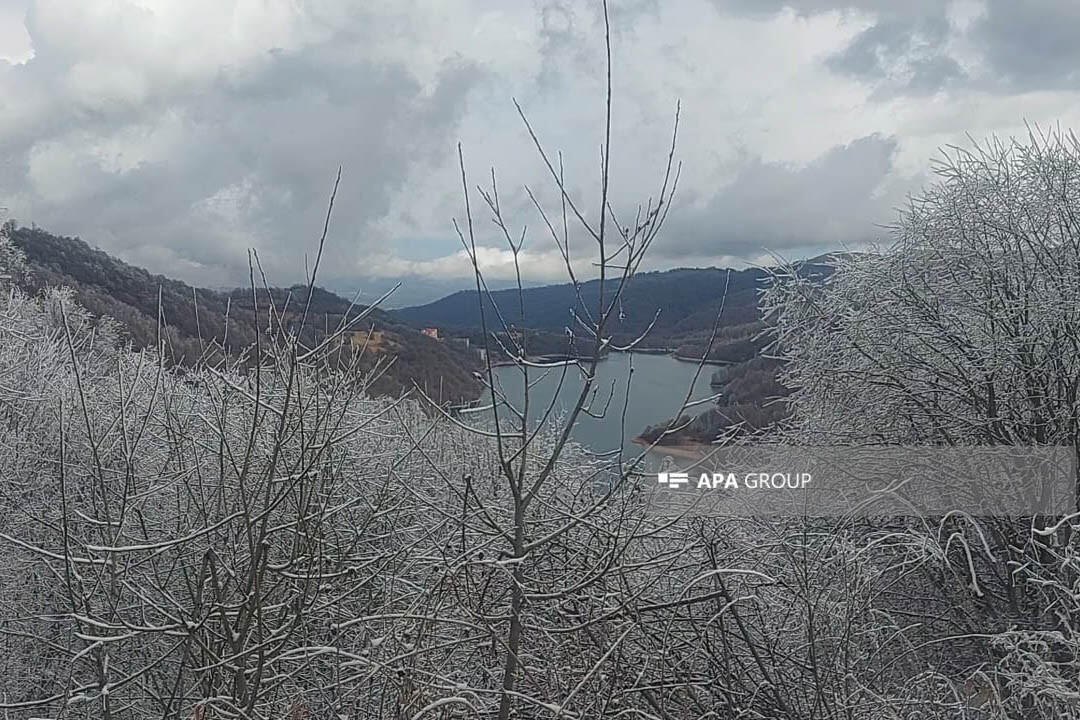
x=658, y=387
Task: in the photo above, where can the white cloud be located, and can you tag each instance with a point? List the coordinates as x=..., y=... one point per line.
x=496, y=265
x=177, y=133
x=15, y=44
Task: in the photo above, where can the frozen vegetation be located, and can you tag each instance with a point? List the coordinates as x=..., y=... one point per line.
x=260, y=537
x=277, y=544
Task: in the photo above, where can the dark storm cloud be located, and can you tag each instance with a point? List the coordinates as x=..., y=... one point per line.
x=1031, y=45
x=255, y=150
x=905, y=55
x=930, y=74
x=902, y=52
x=838, y=199
x=1024, y=46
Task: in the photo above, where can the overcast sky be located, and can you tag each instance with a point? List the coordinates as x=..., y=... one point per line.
x=176, y=134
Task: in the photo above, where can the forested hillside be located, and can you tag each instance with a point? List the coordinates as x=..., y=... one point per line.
x=687, y=300
x=199, y=323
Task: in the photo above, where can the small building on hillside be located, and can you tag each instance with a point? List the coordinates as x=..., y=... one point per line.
x=431, y=332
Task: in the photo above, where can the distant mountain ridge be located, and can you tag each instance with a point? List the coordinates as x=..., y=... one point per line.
x=681, y=295
x=107, y=286
x=687, y=299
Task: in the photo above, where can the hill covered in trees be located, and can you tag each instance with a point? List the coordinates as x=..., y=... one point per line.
x=684, y=303
x=201, y=323
x=688, y=300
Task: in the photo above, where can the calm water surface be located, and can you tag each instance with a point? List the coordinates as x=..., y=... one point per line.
x=657, y=389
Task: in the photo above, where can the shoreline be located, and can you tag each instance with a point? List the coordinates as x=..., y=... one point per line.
x=690, y=451
x=648, y=351
x=554, y=359
x=695, y=361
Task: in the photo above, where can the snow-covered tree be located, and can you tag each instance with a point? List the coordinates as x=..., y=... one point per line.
x=964, y=331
